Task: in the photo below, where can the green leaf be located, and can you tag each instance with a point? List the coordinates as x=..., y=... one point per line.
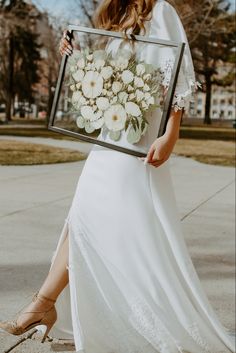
x=114, y=135
x=133, y=136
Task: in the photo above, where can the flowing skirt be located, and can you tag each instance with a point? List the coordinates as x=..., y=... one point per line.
x=132, y=285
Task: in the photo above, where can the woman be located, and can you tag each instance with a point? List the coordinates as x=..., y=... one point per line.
x=130, y=285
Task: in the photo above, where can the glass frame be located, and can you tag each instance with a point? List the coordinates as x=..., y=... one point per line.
x=169, y=95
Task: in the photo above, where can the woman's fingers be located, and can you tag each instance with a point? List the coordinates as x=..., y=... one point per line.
x=65, y=46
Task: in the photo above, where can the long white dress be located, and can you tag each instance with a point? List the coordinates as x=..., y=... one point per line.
x=132, y=285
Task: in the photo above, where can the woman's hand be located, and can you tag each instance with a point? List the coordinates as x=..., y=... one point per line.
x=163, y=146
x=159, y=151
x=65, y=46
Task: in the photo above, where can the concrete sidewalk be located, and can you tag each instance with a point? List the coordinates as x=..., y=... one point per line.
x=35, y=200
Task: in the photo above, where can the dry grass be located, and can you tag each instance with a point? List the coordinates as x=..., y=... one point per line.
x=23, y=153
x=207, y=151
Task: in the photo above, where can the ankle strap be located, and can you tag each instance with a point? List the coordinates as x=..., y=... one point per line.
x=40, y=296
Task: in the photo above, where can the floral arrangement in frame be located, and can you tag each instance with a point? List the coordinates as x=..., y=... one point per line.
x=108, y=87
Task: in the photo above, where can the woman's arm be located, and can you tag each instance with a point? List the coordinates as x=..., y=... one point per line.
x=163, y=146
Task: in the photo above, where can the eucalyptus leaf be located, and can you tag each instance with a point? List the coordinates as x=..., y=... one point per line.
x=114, y=135
x=133, y=136
x=80, y=122
x=88, y=127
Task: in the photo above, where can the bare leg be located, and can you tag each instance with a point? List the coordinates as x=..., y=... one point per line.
x=54, y=283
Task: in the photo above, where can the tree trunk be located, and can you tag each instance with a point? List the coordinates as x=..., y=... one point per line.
x=207, y=118
x=10, y=74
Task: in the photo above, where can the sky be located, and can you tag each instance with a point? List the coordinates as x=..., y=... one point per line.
x=68, y=7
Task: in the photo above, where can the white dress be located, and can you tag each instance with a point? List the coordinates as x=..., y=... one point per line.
x=132, y=285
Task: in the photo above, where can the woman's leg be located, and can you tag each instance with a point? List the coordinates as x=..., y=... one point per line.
x=54, y=283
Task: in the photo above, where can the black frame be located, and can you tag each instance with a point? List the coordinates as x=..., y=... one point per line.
x=169, y=96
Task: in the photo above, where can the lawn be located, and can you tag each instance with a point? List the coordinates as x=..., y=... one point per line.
x=207, y=151
x=23, y=153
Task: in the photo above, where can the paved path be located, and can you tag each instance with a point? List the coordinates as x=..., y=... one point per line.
x=35, y=200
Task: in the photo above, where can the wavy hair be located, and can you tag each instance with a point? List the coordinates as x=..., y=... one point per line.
x=121, y=15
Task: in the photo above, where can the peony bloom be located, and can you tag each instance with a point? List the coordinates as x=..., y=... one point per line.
x=115, y=117
x=132, y=109
x=140, y=69
x=116, y=87
x=127, y=77
x=102, y=103
x=106, y=72
x=92, y=84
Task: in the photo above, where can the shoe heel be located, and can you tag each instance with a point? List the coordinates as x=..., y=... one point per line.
x=46, y=333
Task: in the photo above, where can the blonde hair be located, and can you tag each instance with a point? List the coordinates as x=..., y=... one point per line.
x=121, y=15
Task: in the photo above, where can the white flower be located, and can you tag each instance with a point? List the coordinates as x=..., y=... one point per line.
x=116, y=87
x=123, y=96
x=92, y=84
x=146, y=88
x=99, y=63
x=102, y=103
x=132, y=109
x=138, y=82
x=106, y=72
x=139, y=95
x=147, y=95
x=97, y=124
x=78, y=75
x=76, y=96
x=127, y=77
x=87, y=113
x=115, y=117
x=140, y=69
x=81, y=63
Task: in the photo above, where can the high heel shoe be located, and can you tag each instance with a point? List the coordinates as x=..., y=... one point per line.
x=48, y=319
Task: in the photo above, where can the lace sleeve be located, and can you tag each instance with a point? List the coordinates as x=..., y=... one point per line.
x=166, y=24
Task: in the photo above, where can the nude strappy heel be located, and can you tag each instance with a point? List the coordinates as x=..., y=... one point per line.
x=48, y=319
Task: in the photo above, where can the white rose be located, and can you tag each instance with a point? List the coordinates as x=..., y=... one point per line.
x=132, y=109
x=122, y=63
x=81, y=63
x=138, y=82
x=140, y=69
x=116, y=87
x=102, y=103
x=106, y=72
x=127, y=77
x=78, y=75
